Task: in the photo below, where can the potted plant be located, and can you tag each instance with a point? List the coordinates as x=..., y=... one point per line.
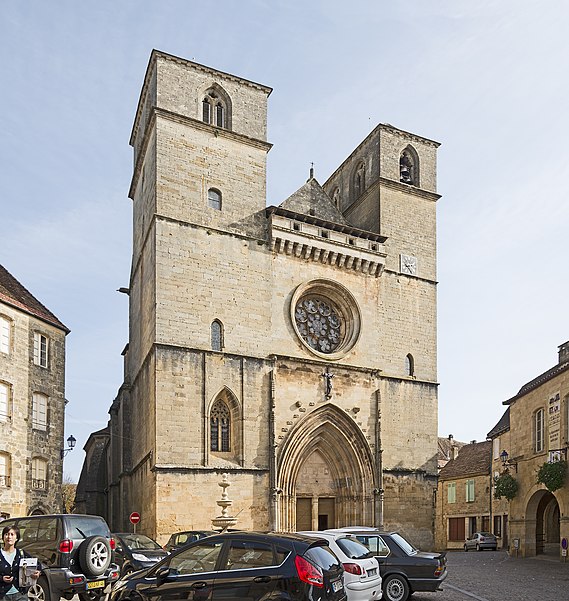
x=505, y=485
x=552, y=475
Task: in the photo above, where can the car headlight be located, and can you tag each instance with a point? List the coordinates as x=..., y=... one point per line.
x=140, y=557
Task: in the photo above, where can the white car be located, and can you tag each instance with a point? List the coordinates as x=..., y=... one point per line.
x=362, y=579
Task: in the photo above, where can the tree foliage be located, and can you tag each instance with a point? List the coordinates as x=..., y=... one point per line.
x=68, y=489
x=552, y=475
x=505, y=485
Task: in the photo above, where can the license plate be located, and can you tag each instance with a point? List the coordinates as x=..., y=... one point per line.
x=96, y=584
x=336, y=586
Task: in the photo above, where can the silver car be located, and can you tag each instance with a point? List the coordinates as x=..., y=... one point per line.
x=481, y=541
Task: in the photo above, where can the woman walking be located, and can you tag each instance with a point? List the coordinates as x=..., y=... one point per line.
x=10, y=557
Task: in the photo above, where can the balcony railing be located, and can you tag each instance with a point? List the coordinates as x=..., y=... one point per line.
x=557, y=455
x=5, y=481
x=38, y=484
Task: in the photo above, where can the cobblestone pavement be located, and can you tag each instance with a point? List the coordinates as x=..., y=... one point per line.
x=494, y=576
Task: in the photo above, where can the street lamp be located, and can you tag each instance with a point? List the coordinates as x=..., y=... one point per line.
x=507, y=463
x=70, y=446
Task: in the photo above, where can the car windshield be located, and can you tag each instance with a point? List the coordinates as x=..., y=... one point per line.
x=404, y=544
x=353, y=548
x=139, y=541
x=486, y=534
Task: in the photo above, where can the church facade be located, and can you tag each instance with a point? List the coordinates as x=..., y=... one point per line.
x=292, y=347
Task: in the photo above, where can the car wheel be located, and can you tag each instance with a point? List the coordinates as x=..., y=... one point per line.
x=39, y=591
x=95, y=556
x=478, y=547
x=466, y=547
x=395, y=588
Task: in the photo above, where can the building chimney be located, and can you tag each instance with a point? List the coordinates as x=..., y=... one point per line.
x=564, y=352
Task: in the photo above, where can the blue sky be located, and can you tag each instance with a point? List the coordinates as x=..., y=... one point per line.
x=487, y=79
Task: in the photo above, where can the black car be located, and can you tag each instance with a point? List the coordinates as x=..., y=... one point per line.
x=404, y=569
x=181, y=539
x=76, y=552
x=248, y=566
x=135, y=552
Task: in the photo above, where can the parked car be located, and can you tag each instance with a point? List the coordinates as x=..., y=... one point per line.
x=136, y=551
x=481, y=541
x=181, y=539
x=404, y=569
x=362, y=579
x=75, y=550
x=241, y=565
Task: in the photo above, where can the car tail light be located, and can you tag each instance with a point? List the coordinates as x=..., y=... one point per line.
x=439, y=570
x=113, y=543
x=77, y=580
x=66, y=546
x=308, y=572
x=352, y=568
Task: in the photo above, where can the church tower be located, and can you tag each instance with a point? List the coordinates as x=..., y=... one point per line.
x=292, y=347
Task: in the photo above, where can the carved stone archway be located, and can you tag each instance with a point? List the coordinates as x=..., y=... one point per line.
x=338, y=441
x=542, y=524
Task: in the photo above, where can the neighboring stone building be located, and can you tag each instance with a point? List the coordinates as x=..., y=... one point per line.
x=90, y=493
x=500, y=508
x=32, y=402
x=539, y=434
x=464, y=496
x=293, y=347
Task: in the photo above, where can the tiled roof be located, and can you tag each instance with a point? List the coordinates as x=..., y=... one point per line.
x=14, y=294
x=541, y=379
x=473, y=459
x=445, y=445
x=502, y=426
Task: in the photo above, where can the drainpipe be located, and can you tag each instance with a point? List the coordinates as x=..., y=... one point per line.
x=273, y=504
x=378, y=492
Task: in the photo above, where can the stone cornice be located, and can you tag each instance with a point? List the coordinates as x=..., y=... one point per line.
x=156, y=54
x=220, y=132
x=329, y=244
x=409, y=189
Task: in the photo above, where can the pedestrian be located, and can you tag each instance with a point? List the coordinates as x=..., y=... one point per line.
x=11, y=589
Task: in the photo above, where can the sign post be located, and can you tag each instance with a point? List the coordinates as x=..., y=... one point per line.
x=564, y=549
x=134, y=518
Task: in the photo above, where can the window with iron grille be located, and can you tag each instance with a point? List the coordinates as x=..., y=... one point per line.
x=39, y=473
x=4, y=470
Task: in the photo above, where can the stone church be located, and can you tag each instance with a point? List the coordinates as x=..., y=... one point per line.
x=292, y=347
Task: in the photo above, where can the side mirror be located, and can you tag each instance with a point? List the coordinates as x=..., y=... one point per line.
x=162, y=575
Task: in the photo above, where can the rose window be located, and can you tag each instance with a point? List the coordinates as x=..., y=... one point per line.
x=319, y=323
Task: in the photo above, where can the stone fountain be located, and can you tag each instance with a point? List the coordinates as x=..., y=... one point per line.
x=224, y=521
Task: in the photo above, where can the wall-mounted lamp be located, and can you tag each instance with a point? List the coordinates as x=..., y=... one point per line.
x=508, y=463
x=71, y=441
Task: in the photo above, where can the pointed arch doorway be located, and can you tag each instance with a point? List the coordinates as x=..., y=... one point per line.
x=326, y=473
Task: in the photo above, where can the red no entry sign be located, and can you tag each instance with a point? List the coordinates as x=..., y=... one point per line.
x=134, y=517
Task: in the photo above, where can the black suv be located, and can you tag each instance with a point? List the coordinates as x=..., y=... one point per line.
x=241, y=565
x=76, y=552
